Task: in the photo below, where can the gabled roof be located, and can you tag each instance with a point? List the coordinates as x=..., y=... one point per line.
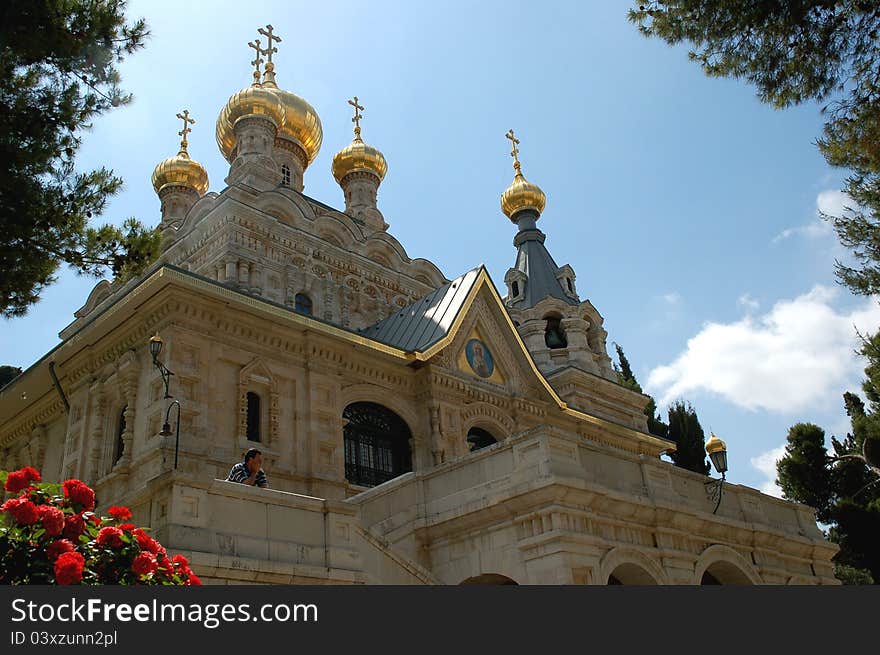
x=426, y=321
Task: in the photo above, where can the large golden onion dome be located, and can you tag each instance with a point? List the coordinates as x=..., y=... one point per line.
x=255, y=100
x=521, y=194
x=180, y=170
x=358, y=157
x=301, y=122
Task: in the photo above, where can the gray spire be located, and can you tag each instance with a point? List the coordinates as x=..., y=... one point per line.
x=535, y=274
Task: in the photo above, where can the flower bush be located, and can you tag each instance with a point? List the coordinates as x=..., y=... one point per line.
x=49, y=534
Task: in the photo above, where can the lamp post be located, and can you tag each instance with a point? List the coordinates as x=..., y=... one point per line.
x=155, y=349
x=166, y=428
x=717, y=451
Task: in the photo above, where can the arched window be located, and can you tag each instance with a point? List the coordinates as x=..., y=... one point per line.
x=120, y=442
x=479, y=438
x=253, y=416
x=554, y=337
x=285, y=175
x=376, y=444
x=514, y=287
x=570, y=287
x=302, y=304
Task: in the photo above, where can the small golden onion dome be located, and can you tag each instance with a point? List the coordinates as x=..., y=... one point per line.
x=180, y=170
x=522, y=194
x=715, y=445
x=252, y=101
x=356, y=157
x=301, y=122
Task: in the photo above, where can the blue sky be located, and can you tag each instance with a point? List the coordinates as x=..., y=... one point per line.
x=686, y=207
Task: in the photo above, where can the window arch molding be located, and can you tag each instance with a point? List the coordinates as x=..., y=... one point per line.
x=256, y=378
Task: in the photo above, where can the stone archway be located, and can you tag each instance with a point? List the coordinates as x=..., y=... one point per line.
x=628, y=566
x=489, y=579
x=721, y=565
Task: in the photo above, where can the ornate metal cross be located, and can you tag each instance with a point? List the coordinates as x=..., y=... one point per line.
x=257, y=62
x=515, y=152
x=187, y=121
x=267, y=32
x=357, y=115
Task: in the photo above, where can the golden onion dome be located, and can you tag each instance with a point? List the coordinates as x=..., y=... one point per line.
x=522, y=194
x=255, y=100
x=356, y=157
x=301, y=122
x=715, y=445
x=180, y=170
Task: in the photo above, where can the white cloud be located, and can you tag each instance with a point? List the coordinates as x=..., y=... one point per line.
x=831, y=202
x=765, y=463
x=750, y=304
x=800, y=354
x=672, y=298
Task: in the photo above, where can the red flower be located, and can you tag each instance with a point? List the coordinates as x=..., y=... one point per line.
x=52, y=518
x=126, y=527
x=22, y=509
x=57, y=548
x=144, y=564
x=110, y=537
x=193, y=580
x=69, y=568
x=32, y=474
x=119, y=513
x=16, y=481
x=146, y=542
x=79, y=493
x=74, y=526
x=180, y=561
x=95, y=519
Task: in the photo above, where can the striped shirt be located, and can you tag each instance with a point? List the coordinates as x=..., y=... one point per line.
x=240, y=473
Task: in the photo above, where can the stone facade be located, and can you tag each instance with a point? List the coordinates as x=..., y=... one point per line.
x=262, y=292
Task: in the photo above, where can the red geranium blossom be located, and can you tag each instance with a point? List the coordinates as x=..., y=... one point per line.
x=126, y=527
x=144, y=564
x=193, y=580
x=22, y=509
x=79, y=493
x=57, y=548
x=52, y=518
x=69, y=568
x=21, y=479
x=146, y=542
x=110, y=536
x=119, y=513
x=74, y=526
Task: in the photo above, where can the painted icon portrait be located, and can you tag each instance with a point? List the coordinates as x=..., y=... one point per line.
x=479, y=357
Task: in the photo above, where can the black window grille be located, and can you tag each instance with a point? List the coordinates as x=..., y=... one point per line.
x=285, y=175
x=120, y=442
x=302, y=304
x=479, y=438
x=376, y=444
x=253, y=416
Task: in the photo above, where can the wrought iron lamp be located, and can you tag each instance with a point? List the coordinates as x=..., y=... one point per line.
x=156, y=344
x=156, y=348
x=717, y=451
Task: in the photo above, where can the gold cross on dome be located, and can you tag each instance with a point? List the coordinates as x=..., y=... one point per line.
x=267, y=32
x=357, y=116
x=187, y=121
x=515, y=152
x=257, y=62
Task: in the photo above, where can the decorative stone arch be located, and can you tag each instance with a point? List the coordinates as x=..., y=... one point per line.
x=490, y=418
x=375, y=394
x=389, y=242
x=596, y=334
x=339, y=231
x=200, y=208
x=630, y=566
x=257, y=378
x=726, y=565
x=287, y=207
x=489, y=579
x=426, y=272
x=382, y=253
x=99, y=293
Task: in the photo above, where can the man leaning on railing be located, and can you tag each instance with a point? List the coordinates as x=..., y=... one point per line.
x=250, y=470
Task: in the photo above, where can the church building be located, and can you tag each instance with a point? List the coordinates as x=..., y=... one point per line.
x=415, y=428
